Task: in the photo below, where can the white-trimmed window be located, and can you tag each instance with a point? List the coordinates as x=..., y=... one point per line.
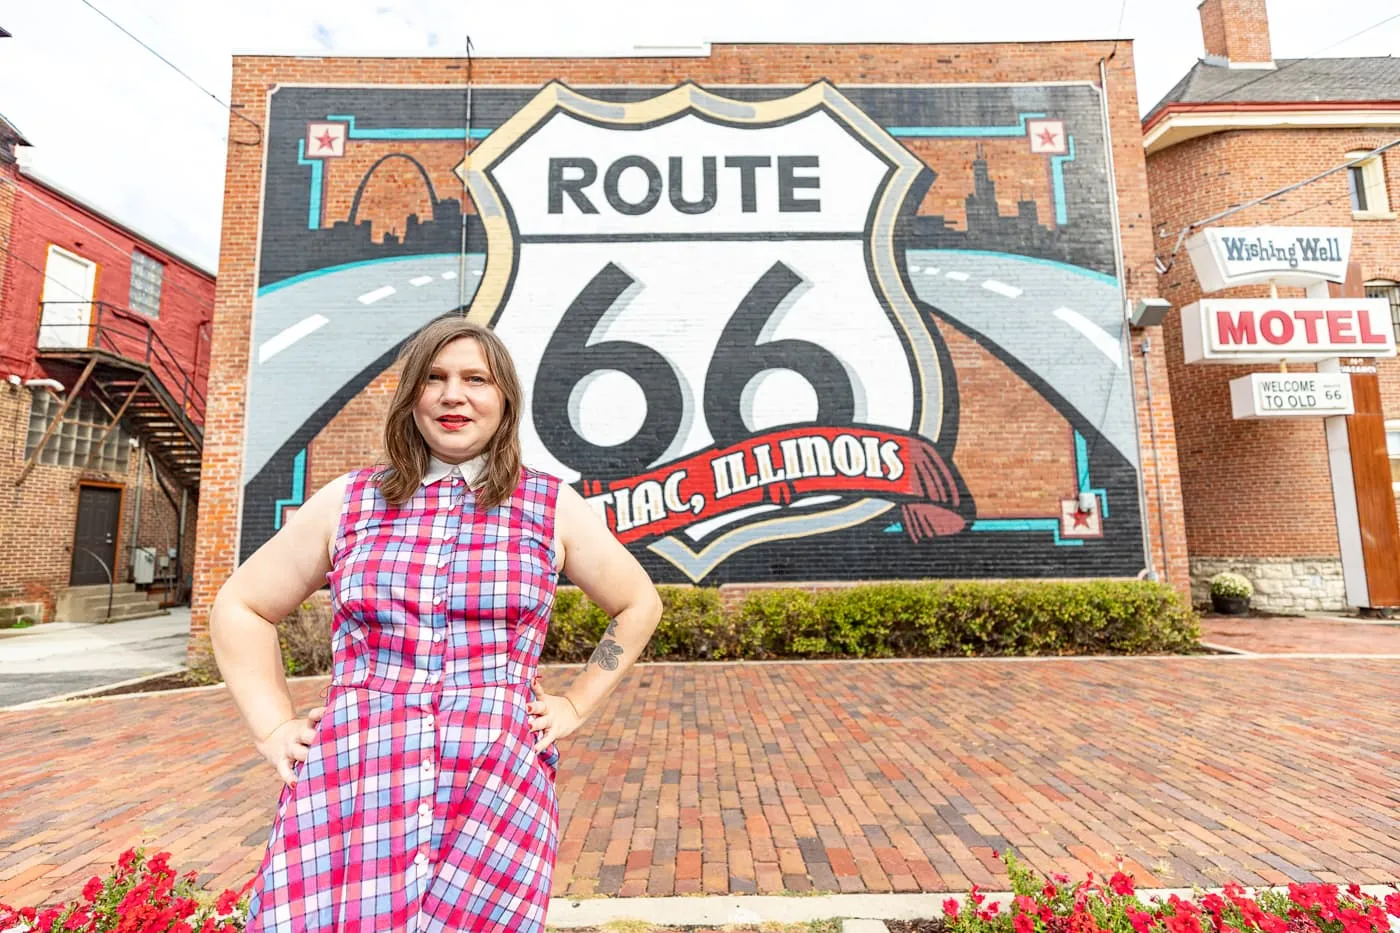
x=1390, y=291
x=1366, y=184
x=1392, y=449
x=146, y=277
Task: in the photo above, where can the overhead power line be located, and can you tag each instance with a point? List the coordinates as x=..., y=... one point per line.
x=229, y=107
x=1278, y=192
x=96, y=234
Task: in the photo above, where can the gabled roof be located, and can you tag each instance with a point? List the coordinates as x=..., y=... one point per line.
x=1294, y=81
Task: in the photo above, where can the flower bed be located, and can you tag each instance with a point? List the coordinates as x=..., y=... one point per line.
x=140, y=895
x=145, y=896
x=1112, y=905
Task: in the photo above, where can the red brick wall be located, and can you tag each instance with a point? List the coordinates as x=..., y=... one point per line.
x=1255, y=488
x=7, y=214
x=44, y=218
x=255, y=76
x=38, y=517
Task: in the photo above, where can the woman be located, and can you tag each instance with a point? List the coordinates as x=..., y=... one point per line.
x=424, y=800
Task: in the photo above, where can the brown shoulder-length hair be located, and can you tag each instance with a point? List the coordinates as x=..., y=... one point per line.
x=404, y=446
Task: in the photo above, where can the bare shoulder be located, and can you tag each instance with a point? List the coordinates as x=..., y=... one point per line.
x=573, y=515
x=319, y=516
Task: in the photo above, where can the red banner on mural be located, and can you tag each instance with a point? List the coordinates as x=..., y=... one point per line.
x=780, y=467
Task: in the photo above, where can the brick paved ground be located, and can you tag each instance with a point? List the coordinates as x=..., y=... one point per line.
x=1283, y=635
x=852, y=776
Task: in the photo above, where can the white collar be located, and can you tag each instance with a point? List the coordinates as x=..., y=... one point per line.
x=439, y=470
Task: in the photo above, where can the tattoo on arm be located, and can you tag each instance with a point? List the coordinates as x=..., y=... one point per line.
x=606, y=654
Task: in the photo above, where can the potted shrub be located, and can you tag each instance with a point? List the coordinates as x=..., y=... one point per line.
x=1230, y=593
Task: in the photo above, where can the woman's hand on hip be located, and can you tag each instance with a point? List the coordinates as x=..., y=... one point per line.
x=552, y=717
x=289, y=744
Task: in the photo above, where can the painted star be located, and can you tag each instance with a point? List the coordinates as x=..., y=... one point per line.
x=1081, y=518
x=1046, y=137
x=326, y=140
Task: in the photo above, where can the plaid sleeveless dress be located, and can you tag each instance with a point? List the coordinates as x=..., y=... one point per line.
x=422, y=805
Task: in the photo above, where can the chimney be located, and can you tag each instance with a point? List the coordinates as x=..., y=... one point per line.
x=1236, y=32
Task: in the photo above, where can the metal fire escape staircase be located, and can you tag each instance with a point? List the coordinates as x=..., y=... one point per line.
x=133, y=375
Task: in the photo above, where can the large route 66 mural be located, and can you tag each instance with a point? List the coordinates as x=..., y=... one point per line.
x=769, y=332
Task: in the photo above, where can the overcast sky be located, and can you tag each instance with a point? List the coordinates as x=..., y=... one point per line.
x=113, y=124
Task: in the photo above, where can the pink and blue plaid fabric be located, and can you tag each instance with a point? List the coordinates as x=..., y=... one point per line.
x=423, y=805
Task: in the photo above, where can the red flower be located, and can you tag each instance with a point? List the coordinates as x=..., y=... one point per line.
x=1354, y=890
x=1023, y=924
x=976, y=896
x=92, y=889
x=127, y=859
x=950, y=908
x=1141, y=922
x=1049, y=890
x=226, y=902
x=1121, y=884
x=1392, y=904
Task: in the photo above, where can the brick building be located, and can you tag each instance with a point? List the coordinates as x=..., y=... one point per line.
x=104, y=361
x=785, y=313
x=1258, y=495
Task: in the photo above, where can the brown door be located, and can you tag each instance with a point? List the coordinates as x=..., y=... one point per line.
x=95, y=541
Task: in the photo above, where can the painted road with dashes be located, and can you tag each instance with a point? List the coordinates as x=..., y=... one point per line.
x=319, y=331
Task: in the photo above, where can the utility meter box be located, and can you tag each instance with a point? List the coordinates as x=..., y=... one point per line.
x=143, y=565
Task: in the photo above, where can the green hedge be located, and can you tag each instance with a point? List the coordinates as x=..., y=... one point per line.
x=893, y=620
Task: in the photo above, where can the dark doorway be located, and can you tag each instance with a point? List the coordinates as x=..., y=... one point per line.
x=95, y=541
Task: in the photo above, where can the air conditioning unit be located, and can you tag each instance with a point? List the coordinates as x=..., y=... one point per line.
x=143, y=565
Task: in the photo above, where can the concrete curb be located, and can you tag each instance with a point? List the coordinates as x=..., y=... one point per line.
x=1226, y=649
x=72, y=699
x=719, y=910
x=79, y=694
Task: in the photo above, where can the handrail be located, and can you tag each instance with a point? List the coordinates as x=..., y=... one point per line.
x=108, y=570
x=132, y=336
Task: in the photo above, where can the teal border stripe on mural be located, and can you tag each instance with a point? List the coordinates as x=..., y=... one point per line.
x=329, y=270
x=1010, y=524
x=1081, y=464
x=298, y=490
x=1057, y=181
x=953, y=132
x=1026, y=524
x=459, y=132
x=313, y=210
x=1081, y=461
x=442, y=132
x=1057, y=163
x=1103, y=277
